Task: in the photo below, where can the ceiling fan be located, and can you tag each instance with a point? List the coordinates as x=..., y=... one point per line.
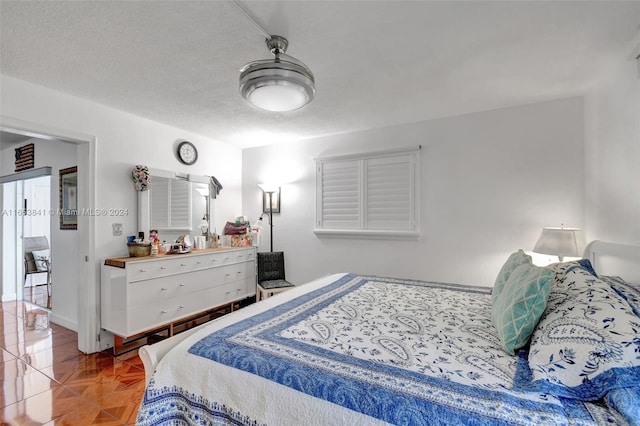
x=279, y=84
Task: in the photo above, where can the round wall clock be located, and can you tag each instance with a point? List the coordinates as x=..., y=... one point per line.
x=187, y=153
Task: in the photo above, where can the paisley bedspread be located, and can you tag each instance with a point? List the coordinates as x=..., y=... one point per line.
x=355, y=350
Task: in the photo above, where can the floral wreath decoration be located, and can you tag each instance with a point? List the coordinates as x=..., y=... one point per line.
x=141, y=178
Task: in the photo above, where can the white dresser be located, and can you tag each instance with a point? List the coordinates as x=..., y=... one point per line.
x=144, y=293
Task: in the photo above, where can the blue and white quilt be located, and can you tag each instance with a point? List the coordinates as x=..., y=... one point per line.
x=354, y=350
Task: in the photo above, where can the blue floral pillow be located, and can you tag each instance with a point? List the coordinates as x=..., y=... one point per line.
x=629, y=291
x=586, y=344
x=562, y=268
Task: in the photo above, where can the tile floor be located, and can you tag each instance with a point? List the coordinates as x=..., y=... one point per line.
x=44, y=379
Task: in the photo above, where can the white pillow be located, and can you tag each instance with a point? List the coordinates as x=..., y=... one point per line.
x=41, y=258
x=586, y=344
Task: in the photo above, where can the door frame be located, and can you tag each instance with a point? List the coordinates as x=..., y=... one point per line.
x=88, y=275
x=19, y=178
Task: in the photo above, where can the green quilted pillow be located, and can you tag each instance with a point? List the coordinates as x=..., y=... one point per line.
x=515, y=259
x=518, y=308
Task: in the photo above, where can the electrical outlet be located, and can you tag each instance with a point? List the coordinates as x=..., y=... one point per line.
x=117, y=229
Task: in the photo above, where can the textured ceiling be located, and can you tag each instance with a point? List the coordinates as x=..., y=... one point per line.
x=376, y=63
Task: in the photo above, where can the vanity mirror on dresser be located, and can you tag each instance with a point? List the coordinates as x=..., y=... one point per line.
x=175, y=204
x=143, y=295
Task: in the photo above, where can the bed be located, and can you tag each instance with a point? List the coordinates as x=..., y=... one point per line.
x=355, y=350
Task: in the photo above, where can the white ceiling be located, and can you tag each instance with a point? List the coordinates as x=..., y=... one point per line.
x=376, y=63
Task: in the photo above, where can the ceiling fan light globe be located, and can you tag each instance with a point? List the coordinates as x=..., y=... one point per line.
x=278, y=84
x=278, y=97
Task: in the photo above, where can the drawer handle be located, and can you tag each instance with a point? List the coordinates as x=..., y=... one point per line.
x=215, y=260
x=181, y=285
x=181, y=306
x=164, y=311
x=228, y=293
x=198, y=262
x=239, y=272
x=240, y=255
x=238, y=289
x=163, y=289
x=227, y=258
x=227, y=274
x=143, y=270
x=183, y=264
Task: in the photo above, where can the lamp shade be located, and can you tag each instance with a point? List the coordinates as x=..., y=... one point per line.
x=269, y=187
x=559, y=242
x=203, y=191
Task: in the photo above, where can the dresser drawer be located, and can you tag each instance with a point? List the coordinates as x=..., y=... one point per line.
x=152, y=315
x=157, y=313
x=239, y=290
x=228, y=257
x=158, y=289
x=140, y=292
x=238, y=271
x=176, y=264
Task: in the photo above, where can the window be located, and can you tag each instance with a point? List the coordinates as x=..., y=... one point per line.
x=368, y=195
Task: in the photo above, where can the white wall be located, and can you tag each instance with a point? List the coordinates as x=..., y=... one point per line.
x=613, y=150
x=122, y=140
x=490, y=182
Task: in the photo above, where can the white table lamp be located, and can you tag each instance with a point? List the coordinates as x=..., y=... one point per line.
x=559, y=242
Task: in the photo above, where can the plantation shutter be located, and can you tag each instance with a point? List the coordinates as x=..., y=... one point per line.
x=389, y=189
x=340, y=194
x=374, y=193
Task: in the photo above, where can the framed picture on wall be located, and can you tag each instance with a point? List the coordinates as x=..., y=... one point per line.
x=275, y=201
x=69, y=198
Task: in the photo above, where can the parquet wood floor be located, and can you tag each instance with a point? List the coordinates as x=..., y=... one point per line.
x=45, y=380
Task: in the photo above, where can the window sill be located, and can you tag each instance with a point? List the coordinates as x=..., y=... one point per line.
x=367, y=234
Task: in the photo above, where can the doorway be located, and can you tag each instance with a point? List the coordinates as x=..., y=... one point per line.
x=26, y=230
x=77, y=295
x=41, y=260
x=38, y=274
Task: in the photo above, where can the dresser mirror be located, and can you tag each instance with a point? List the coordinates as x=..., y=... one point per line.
x=176, y=204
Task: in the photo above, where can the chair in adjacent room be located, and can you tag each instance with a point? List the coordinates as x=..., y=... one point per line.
x=271, y=277
x=37, y=260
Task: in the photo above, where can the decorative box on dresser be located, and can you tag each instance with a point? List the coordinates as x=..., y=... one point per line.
x=143, y=294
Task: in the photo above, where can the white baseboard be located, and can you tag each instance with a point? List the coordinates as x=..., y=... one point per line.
x=64, y=322
x=106, y=340
x=8, y=297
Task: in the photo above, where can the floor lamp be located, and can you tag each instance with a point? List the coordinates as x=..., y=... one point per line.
x=270, y=190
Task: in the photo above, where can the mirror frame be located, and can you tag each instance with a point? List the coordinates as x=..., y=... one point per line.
x=68, y=185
